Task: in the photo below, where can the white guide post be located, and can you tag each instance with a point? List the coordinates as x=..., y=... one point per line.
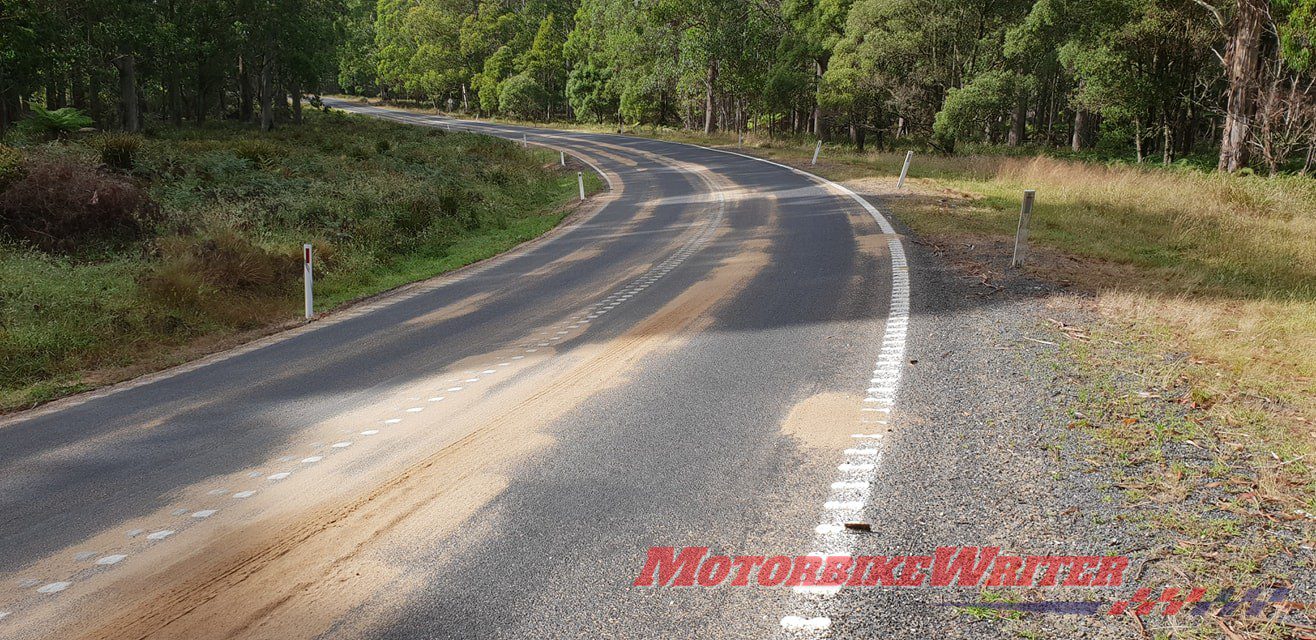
x=307, y=276
x=816, y=151
x=580, y=180
x=905, y=171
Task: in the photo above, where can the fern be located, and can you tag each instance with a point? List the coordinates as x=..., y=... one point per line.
x=59, y=122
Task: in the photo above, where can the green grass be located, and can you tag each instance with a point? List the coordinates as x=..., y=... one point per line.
x=384, y=204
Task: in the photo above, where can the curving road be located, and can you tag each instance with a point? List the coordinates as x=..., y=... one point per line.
x=492, y=453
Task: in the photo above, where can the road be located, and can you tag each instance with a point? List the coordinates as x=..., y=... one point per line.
x=687, y=362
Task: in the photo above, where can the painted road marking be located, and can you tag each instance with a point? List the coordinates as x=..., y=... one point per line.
x=111, y=560
x=797, y=623
x=242, y=495
x=205, y=513
x=160, y=535
x=55, y=587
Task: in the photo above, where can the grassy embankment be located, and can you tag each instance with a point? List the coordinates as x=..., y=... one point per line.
x=192, y=243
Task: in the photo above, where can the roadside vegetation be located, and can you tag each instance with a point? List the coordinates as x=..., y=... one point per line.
x=124, y=253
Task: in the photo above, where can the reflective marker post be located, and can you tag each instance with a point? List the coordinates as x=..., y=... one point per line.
x=306, y=275
x=563, y=155
x=580, y=179
x=816, y=151
x=905, y=171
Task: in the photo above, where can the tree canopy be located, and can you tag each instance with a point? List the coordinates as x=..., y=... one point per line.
x=1157, y=79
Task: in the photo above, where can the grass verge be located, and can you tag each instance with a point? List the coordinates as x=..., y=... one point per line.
x=209, y=256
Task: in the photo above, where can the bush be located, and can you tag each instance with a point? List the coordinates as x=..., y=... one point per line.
x=192, y=269
x=61, y=202
x=59, y=122
x=262, y=152
x=11, y=166
x=118, y=149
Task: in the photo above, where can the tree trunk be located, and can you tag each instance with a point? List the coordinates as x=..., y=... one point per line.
x=199, y=107
x=94, y=97
x=297, y=104
x=267, y=93
x=1080, y=124
x=128, y=112
x=174, y=96
x=246, y=110
x=1241, y=58
x=80, y=91
x=4, y=105
x=1137, y=138
x=708, y=98
x=818, y=70
x=1167, y=144
x=1019, y=128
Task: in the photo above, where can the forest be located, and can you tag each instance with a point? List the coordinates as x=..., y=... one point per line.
x=1231, y=81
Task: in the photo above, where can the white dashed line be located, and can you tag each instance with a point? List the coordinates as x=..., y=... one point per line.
x=242, y=495
x=111, y=560
x=160, y=535
x=796, y=623
x=341, y=445
x=204, y=513
x=54, y=587
x=312, y=459
x=278, y=476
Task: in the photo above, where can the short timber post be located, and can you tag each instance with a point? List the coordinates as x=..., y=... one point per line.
x=1021, y=235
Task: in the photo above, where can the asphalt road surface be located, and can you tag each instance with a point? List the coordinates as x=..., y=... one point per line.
x=707, y=354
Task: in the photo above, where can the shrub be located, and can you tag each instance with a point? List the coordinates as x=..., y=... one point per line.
x=11, y=166
x=192, y=269
x=61, y=202
x=262, y=152
x=59, y=122
x=118, y=149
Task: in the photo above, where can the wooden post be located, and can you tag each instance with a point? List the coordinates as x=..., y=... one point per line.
x=1021, y=234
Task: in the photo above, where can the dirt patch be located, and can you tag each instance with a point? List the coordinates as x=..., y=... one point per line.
x=824, y=421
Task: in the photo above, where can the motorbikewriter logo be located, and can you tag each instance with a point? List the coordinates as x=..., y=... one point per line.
x=951, y=567
x=946, y=567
